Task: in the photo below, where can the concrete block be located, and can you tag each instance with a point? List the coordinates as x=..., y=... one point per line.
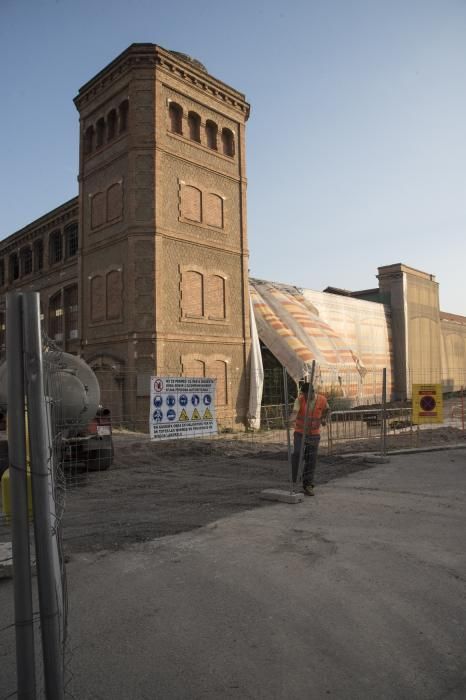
x=281, y=496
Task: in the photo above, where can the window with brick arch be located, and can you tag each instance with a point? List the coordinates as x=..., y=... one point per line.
x=100, y=133
x=89, y=140
x=215, y=297
x=98, y=298
x=14, y=267
x=98, y=210
x=123, y=113
x=191, y=203
x=211, y=131
x=114, y=290
x=218, y=369
x=111, y=124
x=193, y=294
x=175, y=113
x=56, y=318
x=114, y=202
x=38, y=248
x=71, y=312
x=26, y=260
x=228, y=143
x=213, y=210
x=55, y=247
x=194, y=123
x=71, y=240
x=195, y=368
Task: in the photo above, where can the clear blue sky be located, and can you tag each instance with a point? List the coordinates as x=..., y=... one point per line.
x=356, y=143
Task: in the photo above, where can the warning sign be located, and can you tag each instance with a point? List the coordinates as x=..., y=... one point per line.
x=176, y=405
x=427, y=403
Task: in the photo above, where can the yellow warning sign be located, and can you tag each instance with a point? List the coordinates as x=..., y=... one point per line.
x=183, y=415
x=427, y=403
x=207, y=415
x=195, y=415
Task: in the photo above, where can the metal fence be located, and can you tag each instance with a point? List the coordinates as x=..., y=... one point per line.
x=153, y=488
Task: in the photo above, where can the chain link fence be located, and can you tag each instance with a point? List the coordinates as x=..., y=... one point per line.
x=113, y=486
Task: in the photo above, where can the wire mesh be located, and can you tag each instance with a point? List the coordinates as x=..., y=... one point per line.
x=148, y=488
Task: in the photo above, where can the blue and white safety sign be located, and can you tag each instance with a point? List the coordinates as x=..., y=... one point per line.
x=182, y=407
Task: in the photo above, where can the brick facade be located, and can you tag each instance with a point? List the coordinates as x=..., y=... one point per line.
x=158, y=283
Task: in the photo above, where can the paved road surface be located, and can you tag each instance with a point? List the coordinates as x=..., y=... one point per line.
x=357, y=593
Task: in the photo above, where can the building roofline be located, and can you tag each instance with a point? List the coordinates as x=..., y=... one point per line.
x=401, y=267
x=37, y=223
x=145, y=54
x=456, y=318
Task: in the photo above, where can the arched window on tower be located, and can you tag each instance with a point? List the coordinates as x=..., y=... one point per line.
x=89, y=140
x=175, y=112
x=195, y=368
x=228, y=142
x=193, y=294
x=211, y=130
x=219, y=370
x=111, y=124
x=123, y=112
x=100, y=136
x=194, y=123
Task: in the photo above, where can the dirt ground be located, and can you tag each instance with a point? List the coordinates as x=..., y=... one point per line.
x=161, y=488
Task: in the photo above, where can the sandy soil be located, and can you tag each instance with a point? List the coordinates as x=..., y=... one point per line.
x=160, y=488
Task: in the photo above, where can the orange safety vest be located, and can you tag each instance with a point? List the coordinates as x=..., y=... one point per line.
x=316, y=407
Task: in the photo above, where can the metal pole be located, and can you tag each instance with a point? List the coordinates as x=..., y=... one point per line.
x=25, y=662
x=384, y=415
x=48, y=574
x=462, y=407
x=288, y=440
x=306, y=419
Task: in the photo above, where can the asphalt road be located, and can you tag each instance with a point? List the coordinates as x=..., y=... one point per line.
x=357, y=593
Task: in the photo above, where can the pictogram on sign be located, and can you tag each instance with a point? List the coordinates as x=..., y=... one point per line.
x=427, y=403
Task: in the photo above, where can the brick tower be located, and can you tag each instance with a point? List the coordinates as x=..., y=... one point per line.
x=163, y=262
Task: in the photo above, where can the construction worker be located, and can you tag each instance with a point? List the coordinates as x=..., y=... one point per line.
x=316, y=417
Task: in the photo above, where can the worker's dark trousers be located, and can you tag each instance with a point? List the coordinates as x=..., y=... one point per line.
x=311, y=448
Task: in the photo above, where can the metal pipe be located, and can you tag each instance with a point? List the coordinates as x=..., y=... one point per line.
x=384, y=415
x=48, y=568
x=306, y=419
x=25, y=662
x=462, y=408
x=288, y=439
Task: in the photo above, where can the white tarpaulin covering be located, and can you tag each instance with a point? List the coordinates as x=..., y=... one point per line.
x=257, y=376
x=346, y=337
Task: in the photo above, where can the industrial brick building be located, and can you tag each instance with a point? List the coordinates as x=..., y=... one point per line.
x=146, y=270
